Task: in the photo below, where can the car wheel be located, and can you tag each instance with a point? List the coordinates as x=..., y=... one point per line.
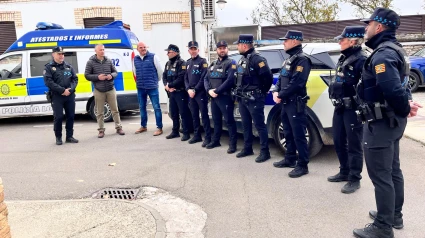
x=106, y=112
x=313, y=137
x=414, y=81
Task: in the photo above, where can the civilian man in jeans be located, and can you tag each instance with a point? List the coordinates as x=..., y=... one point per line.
x=148, y=71
x=101, y=72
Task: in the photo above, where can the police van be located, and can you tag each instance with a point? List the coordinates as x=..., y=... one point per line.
x=21, y=68
x=324, y=57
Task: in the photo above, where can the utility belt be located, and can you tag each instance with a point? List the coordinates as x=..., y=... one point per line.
x=345, y=102
x=301, y=101
x=251, y=95
x=369, y=112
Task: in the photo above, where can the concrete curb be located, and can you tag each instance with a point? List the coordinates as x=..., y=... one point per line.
x=414, y=139
x=161, y=229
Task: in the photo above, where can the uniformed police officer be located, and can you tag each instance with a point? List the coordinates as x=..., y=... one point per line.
x=219, y=81
x=254, y=79
x=60, y=78
x=173, y=78
x=291, y=92
x=347, y=130
x=194, y=81
x=384, y=109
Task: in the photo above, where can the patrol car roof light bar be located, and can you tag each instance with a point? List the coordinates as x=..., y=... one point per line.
x=47, y=26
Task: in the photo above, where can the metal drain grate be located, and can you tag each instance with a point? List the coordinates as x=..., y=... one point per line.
x=117, y=193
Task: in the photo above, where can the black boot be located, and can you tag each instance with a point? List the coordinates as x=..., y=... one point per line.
x=350, y=187
x=213, y=145
x=244, y=152
x=298, y=172
x=398, y=220
x=206, y=142
x=372, y=231
x=338, y=178
x=264, y=156
x=185, y=137
x=58, y=140
x=195, y=139
x=173, y=135
x=232, y=149
x=284, y=163
x=71, y=140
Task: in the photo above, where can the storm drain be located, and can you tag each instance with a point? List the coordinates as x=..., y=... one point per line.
x=117, y=193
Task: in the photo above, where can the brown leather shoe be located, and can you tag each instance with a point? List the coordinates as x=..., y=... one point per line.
x=157, y=132
x=120, y=131
x=101, y=134
x=140, y=130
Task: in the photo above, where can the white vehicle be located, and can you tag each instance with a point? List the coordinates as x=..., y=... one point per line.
x=21, y=68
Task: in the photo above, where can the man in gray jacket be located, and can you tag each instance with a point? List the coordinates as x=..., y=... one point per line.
x=101, y=72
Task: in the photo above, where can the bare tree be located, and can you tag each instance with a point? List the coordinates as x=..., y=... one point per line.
x=280, y=12
x=365, y=8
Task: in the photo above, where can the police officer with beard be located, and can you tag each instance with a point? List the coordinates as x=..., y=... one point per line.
x=291, y=93
x=254, y=79
x=60, y=78
x=173, y=78
x=194, y=81
x=384, y=108
x=219, y=81
x=347, y=130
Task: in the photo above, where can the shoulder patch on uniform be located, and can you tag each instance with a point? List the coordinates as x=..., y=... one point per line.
x=261, y=64
x=183, y=66
x=299, y=68
x=380, y=68
x=233, y=66
x=205, y=65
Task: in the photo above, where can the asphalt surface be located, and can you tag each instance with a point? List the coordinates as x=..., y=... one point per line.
x=240, y=197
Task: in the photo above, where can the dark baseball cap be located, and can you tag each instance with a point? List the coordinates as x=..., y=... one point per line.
x=193, y=44
x=221, y=43
x=174, y=48
x=384, y=16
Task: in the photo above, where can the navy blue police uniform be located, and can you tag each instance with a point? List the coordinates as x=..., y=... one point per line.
x=194, y=80
x=291, y=89
x=384, y=109
x=347, y=130
x=253, y=82
x=58, y=77
x=173, y=75
x=220, y=77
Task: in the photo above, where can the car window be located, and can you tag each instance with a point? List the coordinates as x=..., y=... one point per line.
x=38, y=60
x=11, y=67
x=420, y=53
x=235, y=57
x=274, y=58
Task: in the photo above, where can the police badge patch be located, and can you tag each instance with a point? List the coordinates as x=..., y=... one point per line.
x=183, y=66
x=261, y=64
x=233, y=66
x=300, y=68
x=380, y=68
x=205, y=65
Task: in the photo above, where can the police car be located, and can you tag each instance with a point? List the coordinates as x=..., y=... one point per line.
x=324, y=57
x=21, y=68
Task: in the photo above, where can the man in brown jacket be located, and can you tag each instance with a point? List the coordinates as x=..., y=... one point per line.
x=101, y=72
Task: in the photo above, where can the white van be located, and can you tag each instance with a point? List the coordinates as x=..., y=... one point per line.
x=21, y=68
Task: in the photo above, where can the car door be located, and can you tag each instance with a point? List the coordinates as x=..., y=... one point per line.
x=14, y=100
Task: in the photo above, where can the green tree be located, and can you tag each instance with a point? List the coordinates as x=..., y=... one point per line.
x=365, y=8
x=280, y=12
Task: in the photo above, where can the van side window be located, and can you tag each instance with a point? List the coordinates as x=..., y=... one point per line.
x=38, y=60
x=11, y=67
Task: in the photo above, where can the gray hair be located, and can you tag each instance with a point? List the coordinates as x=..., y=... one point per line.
x=359, y=41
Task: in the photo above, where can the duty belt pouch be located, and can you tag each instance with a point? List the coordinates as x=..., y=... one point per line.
x=336, y=90
x=348, y=104
x=300, y=105
x=48, y=96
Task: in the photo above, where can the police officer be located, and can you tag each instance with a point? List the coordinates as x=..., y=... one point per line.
x=60, y=78
x=219, y=81
x=194, y=81
x=291, y=92
x=254, y=79
x=173, y=78
x=384, y=109
x=347, y=130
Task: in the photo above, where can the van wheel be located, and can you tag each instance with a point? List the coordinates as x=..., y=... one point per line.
x=107, y=112
x=313, y=137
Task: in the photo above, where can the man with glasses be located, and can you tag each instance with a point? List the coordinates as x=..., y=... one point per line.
x=173, y=79
x=148, y=71
x=60, y=78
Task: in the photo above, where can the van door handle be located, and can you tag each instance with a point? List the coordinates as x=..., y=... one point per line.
x=20, y=84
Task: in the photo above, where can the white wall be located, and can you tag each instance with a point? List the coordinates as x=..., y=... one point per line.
x=158, y=38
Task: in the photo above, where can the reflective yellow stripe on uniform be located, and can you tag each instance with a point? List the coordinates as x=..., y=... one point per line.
x=13, y=88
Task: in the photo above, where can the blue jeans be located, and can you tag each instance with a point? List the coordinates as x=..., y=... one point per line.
x=142, y=95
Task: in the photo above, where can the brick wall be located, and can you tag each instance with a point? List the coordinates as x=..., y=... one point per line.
x=11, y=16
x=165, y=17
x=90, y=12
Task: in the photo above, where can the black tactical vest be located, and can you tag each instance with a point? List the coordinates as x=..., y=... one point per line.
x=61, y=75
x=371, y=92
x=217, y=72
x=247, y=78
x=172, y=71
x=287, y=70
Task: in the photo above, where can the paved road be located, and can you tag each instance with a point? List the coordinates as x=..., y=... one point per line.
x=240, y=197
